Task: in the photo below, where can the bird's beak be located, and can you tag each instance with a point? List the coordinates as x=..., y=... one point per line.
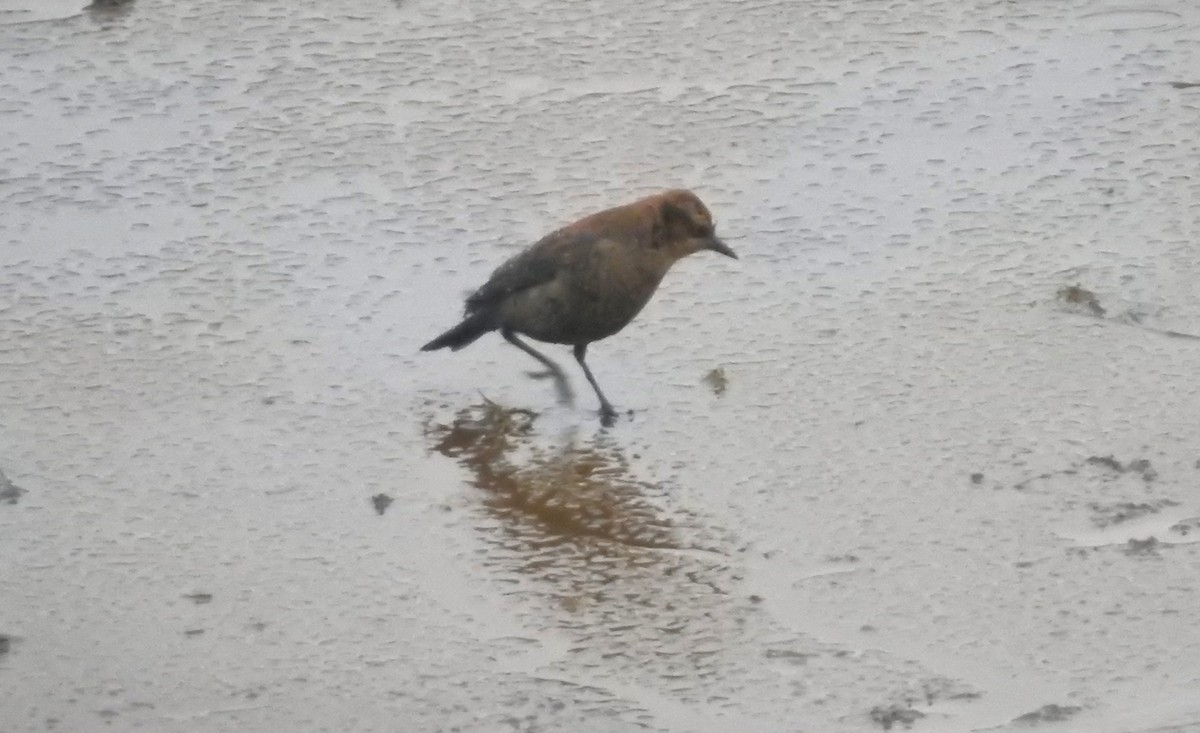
x=717, y=245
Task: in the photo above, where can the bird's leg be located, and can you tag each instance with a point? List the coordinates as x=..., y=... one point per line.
x=552, y=369
x=546, y=361
x=607, y=413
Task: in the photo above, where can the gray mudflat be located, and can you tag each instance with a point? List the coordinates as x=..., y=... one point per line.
x=926, y=455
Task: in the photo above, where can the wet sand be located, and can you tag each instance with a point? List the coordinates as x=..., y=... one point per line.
x=926, y=456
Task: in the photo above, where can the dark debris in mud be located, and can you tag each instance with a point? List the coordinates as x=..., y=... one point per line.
x=789, y=655
x=381, y=502
x=9, y=492
x=1142, y=548
x=941, y=688
x=1185, y=84
x=1047, y=714
x=1185, y=527
x=717, y=381
x=1023, y=485
x=1140, y=465
x=5, y=644
x=888, y=716
x=930, y=691
x=199, y=598
x=1106, y=515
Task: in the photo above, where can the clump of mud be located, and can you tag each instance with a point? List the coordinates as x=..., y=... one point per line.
x=381, y=502
x=1081, y=299
x=1078, y=299
x=1047, y=714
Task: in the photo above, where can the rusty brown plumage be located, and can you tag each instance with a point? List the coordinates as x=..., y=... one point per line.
x=587, y=280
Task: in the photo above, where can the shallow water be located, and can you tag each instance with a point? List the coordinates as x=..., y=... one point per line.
x=946, y=477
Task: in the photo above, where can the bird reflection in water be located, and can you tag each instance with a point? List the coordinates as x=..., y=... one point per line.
x=640, y=589
x=574, y=493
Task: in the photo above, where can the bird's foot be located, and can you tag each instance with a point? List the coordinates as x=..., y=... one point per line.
x=608, y=416
x=566, y=396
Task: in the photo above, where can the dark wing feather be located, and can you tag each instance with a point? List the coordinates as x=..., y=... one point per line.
x=539, y=264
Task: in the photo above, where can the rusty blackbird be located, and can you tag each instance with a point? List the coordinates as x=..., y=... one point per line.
x=587, y=280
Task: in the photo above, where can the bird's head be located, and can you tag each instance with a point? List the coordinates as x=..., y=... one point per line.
x=683, y=226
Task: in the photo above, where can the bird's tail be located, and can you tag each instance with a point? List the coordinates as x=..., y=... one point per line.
x=472, y=327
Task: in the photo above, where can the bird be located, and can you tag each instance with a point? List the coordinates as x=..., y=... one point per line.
x=587, y=280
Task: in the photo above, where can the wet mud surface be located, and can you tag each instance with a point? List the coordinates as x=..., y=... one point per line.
x=924, y=458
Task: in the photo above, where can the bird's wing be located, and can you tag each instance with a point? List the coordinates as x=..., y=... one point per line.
x=535, y=266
